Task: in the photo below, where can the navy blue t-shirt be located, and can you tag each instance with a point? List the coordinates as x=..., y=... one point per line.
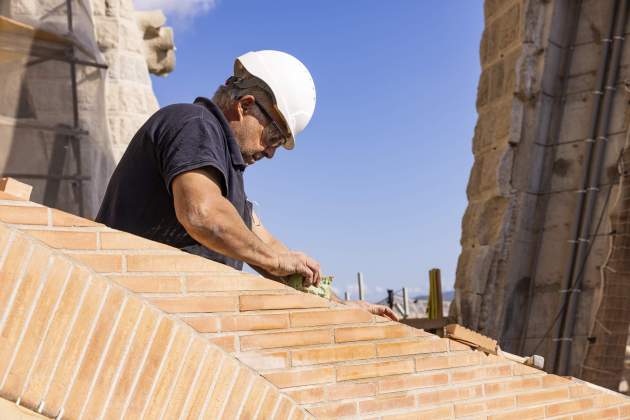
x=176, y=139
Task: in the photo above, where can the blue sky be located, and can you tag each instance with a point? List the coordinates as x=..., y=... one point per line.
x=377, y=180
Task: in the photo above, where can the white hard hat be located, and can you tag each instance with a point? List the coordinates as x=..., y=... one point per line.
x=289, y=81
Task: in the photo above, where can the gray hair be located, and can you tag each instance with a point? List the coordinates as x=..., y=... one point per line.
x=234, y=89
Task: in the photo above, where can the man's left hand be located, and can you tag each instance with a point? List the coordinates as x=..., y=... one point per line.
x=380, y=310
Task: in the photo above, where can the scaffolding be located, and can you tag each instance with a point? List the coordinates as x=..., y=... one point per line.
x=19, y=41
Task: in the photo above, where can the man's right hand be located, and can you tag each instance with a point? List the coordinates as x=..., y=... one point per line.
x=293, y=262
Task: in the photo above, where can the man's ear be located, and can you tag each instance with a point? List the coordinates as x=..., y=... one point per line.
x=244, y=104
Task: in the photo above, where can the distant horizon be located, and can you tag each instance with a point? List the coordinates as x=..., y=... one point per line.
x=377, y=181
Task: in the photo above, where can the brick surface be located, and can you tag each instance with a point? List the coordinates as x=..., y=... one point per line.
x=310, y=395
x=183, y=384
x=66, y=240
x=184, y=263
x=150, y=284
x=206, y=378
x=219, y=394
x=301, y=377
x=404, y=383
x=10, y=271
x=54, y=338
x=380, y=332
x=293, y=301
x=133, y=361
x=113, y=358
x=254, y=398
x=522, y=414
x=237, y=394
x=329, y=317
x=77, y=340
x=284, y=409
x=95, y=349
x=24, y=215
x=435, y=413
x=344, y=391
x=449, y=395
x=63, y=219
x=332, y=354
x=149, y=371
x=196, y=304
x=254, y=322
x=269, y=404
x=35, y=332
x=334, y=410
x=285, y=339
x=101, y=263
x=265, y=360
x=122, y=240
x=387, y=404
x=19, y=311
x=538, y=397
x=371, y=370
x=415, y=346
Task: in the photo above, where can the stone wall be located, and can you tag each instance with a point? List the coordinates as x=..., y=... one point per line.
x=535, y=102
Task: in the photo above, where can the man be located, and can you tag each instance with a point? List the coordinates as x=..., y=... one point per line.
x=180, y=181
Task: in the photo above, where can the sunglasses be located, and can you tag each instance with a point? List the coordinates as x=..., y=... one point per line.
x=267, y=115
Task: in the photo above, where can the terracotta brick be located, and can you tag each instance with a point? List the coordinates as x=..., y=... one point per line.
x=78, y=338
x=65, y=239
x=568, y=407
x=193, y=304
x=481, y=373
x=123, y=240
x=35, y=331
x=346, y=391
x=55, y=335
x=310, y=395
x=139, y=346
x=24, y=215
x=63, y=219
x=192, y=364
x=219, y=394
x=302, y=377
x=609, y=398
x=577, y=391
x=251, y=282
x=447, y=361
x=329, y=317
x=226, y=342
x=238, y=394
x=203, y=324
x=521, y=370
x=5, y=235
x=415, y=346
x=101, y=263
x=292, y=301
x=285, y=406
x=10, y=197
x=285, y=339
x=168, y=373
x=522, y=414
x=433, y=414
x=332, y=354
x=94, y=351
x=480, y=407
x=449, y=395
x=21, y=307
x=254, y=398
x=182, y=262
x=206, y=378
x=114, y=357
x=538, y=397
x=407, y=382
x=269, y=404
x=334, y=410
x=457, y=346
x=380, y=332
x=386, y=404
x=601, y=414
x=371, y=370
x=219, y=282
x=149, y=284
x=16, y=259
x=16, y=188
x=519, y=384
x=265, y=361
x=254, y=322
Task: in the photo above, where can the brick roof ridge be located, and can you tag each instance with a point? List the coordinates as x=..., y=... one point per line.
x=333, y=360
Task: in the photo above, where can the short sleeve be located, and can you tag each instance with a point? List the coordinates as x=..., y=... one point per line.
x=197, y=143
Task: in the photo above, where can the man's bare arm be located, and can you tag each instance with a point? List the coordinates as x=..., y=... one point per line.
x=214, y=222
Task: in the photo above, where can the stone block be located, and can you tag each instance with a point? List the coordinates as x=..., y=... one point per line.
x=131, y=98
x=497, y=80
x=473, y=269
x=107, y=34
x=483, y=89
x=131, y=36
x=509, y=27
x=488, y=51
